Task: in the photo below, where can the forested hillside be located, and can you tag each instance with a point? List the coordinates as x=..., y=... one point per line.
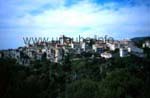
x=127, y=77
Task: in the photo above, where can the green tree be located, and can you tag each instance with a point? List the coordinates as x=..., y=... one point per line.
x=121, y=84
x=82, y=89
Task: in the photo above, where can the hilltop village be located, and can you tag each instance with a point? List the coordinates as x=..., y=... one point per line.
x=85, y=68
x=56, y=50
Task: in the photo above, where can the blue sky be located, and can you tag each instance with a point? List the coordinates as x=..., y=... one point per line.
x=50, y=18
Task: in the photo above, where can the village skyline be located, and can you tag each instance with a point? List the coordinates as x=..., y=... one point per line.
x=13, y=42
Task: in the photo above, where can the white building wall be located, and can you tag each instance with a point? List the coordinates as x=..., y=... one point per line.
x=72, y=45
x=129, y=49
x=121, y=52
x=94, y=47
x=106, y=55
x=83, y=46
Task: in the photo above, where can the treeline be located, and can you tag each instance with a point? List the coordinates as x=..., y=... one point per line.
x=127, y=77
x=140, y=40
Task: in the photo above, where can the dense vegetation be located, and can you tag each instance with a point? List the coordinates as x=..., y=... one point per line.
x=140, y=40
x=127, y=77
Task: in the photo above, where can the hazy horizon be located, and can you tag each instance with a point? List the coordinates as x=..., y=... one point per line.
x=19, y=42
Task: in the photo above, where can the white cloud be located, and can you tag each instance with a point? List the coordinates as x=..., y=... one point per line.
x=83, y=16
